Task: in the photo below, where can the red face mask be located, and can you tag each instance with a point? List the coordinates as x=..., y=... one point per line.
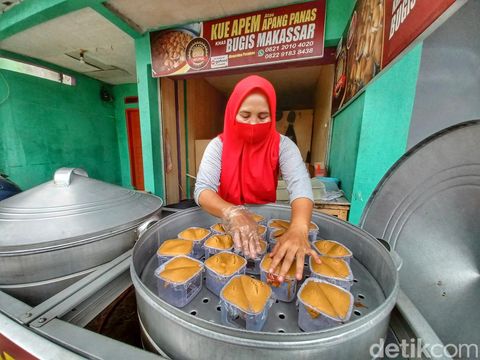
x=252, y=134
x=250, y=152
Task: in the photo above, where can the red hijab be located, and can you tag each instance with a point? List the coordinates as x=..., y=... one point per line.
x=250, y=152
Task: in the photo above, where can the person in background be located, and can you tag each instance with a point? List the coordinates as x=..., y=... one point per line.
x=241, y=166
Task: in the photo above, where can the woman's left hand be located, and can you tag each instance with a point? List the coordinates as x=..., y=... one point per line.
x=292, y=246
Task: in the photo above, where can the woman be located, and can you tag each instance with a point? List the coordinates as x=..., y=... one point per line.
x=241, y=166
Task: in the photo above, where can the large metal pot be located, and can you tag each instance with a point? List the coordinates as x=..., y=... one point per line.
x=58, y=232
x=195, y=332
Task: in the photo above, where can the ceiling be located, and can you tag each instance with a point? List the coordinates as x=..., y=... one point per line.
x=84, y=30
x=104, y=45
x=6, y=5
x=152, y=14
x=295, y=87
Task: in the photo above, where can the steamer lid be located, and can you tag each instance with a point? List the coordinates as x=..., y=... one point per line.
x=427, y=207
x=70, y=208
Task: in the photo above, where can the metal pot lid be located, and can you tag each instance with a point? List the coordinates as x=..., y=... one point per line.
x=428, y=208
x=70, y=208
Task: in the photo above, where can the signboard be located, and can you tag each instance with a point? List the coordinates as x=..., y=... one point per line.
x=289, y=33
x=378, y=31
x=406, y=20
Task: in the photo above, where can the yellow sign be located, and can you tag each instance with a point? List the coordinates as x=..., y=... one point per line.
x=7, y=357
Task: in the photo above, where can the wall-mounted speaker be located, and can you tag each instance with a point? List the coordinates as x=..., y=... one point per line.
x=105, y=94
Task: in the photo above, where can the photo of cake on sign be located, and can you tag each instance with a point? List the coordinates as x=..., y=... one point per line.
x=364, y=45
x=169, y=49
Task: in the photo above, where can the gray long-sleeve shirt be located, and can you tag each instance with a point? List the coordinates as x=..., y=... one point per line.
x=292, y=168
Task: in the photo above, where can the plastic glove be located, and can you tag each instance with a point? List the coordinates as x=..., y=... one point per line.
x=292, y=246
x=238, y=221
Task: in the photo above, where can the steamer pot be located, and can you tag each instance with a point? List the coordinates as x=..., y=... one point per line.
x=57, y=232
x=195, y=331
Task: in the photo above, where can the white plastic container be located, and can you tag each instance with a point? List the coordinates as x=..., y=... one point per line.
x=313, y=319
x=259, y=219
x=173, y=250
x=211, y=249
x=262, y=232
x=271, y=224
x=198, y=241
x=344, y=282
x=313, y=232
x=327, y=250
x=284, y=291
x=272, y=239
x=215, y=280
x=181, y=293
x=234, y=316
x=275, y=224
x=217, y=228
x=253, y=265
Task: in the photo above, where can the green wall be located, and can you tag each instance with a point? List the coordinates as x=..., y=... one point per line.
x=344, y=145
x=378, y=131
x=150, y=119
x=338, y=13
x=46, y=125
x=386, y=122
x=120, y=92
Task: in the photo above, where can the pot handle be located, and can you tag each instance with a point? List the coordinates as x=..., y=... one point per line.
x=395, y=257
x=63, y=176
x=146, y=225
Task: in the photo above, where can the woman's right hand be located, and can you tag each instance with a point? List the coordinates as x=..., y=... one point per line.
x=240, y=224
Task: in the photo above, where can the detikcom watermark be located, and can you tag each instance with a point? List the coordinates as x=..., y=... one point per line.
x=417, y=349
